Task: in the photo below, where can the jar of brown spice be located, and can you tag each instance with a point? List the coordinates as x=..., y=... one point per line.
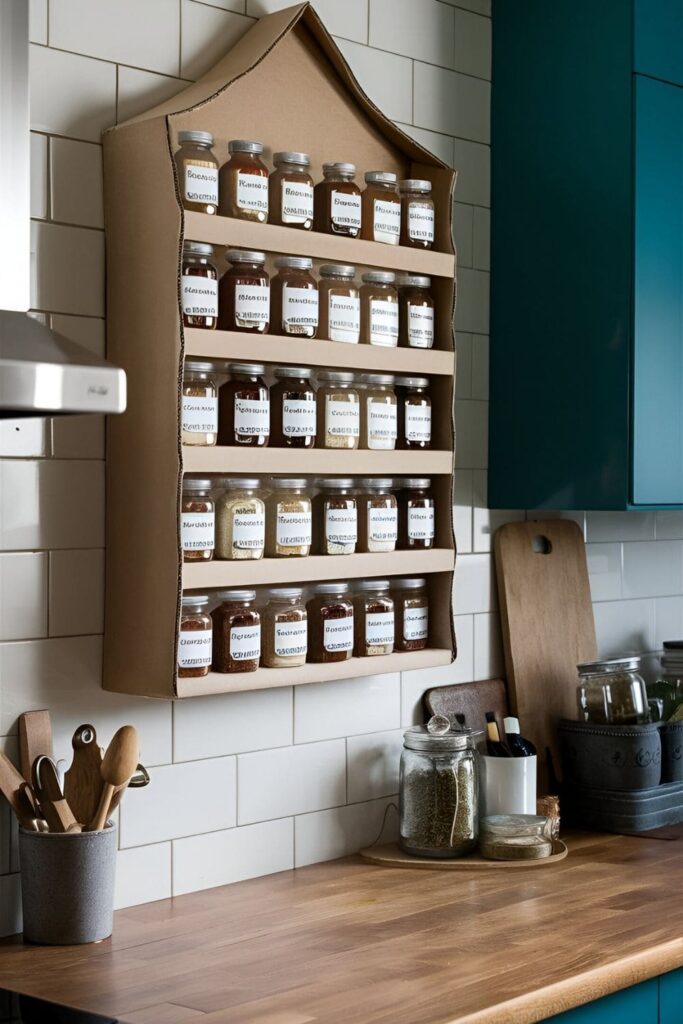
x=288, y=518
x=291, y=191
x=374, y=619
x=293, y=408
x=381, y=208
x=417, y=213
x=197, y=520
x=414, y=412
x=294, y=290
x=411, y=610
x=377, y=515
x=335, y=517
x=243, y=182
x=244, y=407
x=236, y=632
x=194, y=637
x=378, y=422
x=330, y=623
x=338, y=201
x=244, y=293
x=338, y=410
x=416, y=311
x=197, y=172
x=339, y=303
x=379, y=309
x=199, y=403
x=416, y=514
x=199, y=286
x=285, y=629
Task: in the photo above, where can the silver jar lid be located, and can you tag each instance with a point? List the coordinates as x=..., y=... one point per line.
x=377, y=483
x=250, y=369
x=197, y=366
x=379, y=277
x=412, y=583
x=292, y=371
x=414, y=281
x=372, y=585
x=195, y=599
x=203, y=138
x=236, y=595
x=339, y=168
x=191, y=483
x=286, y=593
x=330, y=588
x=245, y=256
x=294, y=262
x=289, y=483
x=415, y=185
x=239, y=483
x=386, y=379
x=629, y=663
x=418, y=483
x=336, y=376
x=412, y=382
x=289, y=157
x=381, y=177
x=335, y=483
x=197, y=248
x=418, y=737
x=337, y=270
x=244, y=146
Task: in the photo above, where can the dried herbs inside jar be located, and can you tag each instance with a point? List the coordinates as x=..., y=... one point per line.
x=411, y=609
x=285, y=629
x=330, y=623
x=374, y=619
x=240, y=519
x=288, y=519
x=236, y=632
x=335, y=517
x=194, y=637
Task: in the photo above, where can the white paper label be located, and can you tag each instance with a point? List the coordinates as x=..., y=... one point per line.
x=293, y=529
x=200, y=295
x=195, y=648
x=200, y=415
x=298, y=417
x=383, y=322
x=382, y=428
x=249, y=530
x=343, y=314
x=341, y=525
x=345, y=210
x=201, y=184
x=382, y=524
x=338, y=634
x=342, y=419
x=252, y=303
x=420, y=222
x=387, y=221
x=415, y=624
x=252, y=416
x=290, y=639
x=420, y=326
x=252, y=192
x=297, y=202
x=420, y=523
x=418, y=422
x=379, y=629
x=197, y=530
x=245, y=643
x=299, y=307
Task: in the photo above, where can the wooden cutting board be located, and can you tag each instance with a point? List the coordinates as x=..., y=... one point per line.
x=547, y=624
x=472, y=700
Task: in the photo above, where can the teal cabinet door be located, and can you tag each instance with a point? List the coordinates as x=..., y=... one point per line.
x=637, y=1005
x=671, y=998
x=658, y=39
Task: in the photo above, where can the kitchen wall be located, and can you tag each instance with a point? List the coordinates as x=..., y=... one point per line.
x=252, y=783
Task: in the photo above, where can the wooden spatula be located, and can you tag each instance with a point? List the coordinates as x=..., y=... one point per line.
x=12, y=787
x=119, y=763
x=35, y=738
x=55, y=808
x=83, y=781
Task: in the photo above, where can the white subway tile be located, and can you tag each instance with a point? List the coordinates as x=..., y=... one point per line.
x=416, y=682
x=472, y=307
x=238, y=6
x=473, y=164
x=669, y=525
x=78, y=437
x=323, y=711
x=472, y=44
x=604, y=571
x=474, y=587
x=462, y=510
x=76, y=599
x=480, y=486
x=446, y=101
x=10, y=904
x=51, y=504
x=373, y=765
x=609, y=526
x=471, y=434
x=463, y=365
x=203, y=862
x=141, y=90
x=37, y=21
x=415, y=28
x=489, y=662
x=463, y=222
x=348, y=19
x=84, y=330
x=482, y=238
x=39, y=176
x=23, y=595
x=181, y=800
x=68, y=269
x=143, y=874
x=232, y=723
x=386, y=78
x=485, y=523
x=71, y=95
x=668, y=620
x=342, y=830
x=653, y=569
x=545, y=514
x=290, y=780
x=463, y=668
x=208, y=33
x=76, y=182
x=480, y=367
x=478, y=6
x=24, y=438
x=439, y=145
x=624, y=626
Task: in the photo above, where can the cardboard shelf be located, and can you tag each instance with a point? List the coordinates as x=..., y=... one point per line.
x=293, y=461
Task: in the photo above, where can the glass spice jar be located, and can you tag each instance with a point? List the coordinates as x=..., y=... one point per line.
x=285, y=629
x=194, y=637
x=338, y=201
x=291, y=191
x=243, y=182
x=293, y=408
x=411, y=611
x=199, y=404
x=416, y=311
x=236, y=632
x=416, y=514
x=339, y=304
x=330, y=623
x=244, y=293
x=414, y=413
x=613, y=691
x=199, y=286
x=373, y=618
x=417, y=213
x=197, y=169
x=338, y=410
x=379, y=309
x=377, y=515
x=381, y=208
x=244, y=407
x=197, y=520
x=378, y=412
x=240, y=519
x=294, y=292
x=335, y=517
x=288, y=519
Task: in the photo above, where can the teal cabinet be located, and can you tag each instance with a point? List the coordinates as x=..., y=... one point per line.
x=658, y=39
x=637, y=1005
x=671, y=998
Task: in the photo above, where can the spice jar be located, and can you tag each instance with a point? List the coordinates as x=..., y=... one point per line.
x=379, y=309
x=240, y=519
x=293, y=408
x=515, y=837
x=285, y=629
x=295, y=297
x=381, y=208
x=335, y=517
x=199, y=286
x=291, y=191
x=243, y=182
x=414, y=413
x=377, y=515
x=197, y=172
x=373, y=618
x=338, y=410
x=416, y=311
x=244, y=407
x=244, y=293
x=338, y=201
x=288, y=519
x=236, y=632
x=411, y=610
x=378, y=422
x=194, y=637
x=417, y=213
x=339, y=304
x=416, y=514
x=199, y=404
x=197, y=518
x=613, y=691
x=438, y=791
x=330, y=623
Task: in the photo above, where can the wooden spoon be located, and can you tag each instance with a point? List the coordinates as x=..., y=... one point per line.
x=119, y=763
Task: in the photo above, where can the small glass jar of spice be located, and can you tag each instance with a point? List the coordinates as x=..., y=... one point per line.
x=244, y=293
x=288, y=519
x=194, y=637
x=411, y=611
x=197, y=520
x=243, y=182
x=417, y=213
x=338, y=201
x=338, y=410
x=377, y=515
x=374, y=619
x=294, y=290
x=378, y=413
x=339, y=303
x=379, y=319
x=414, y=412
x=335, y=521
x=240, y=519
x=244, y=407
x=199, y=404
x=330, y=623
x=381, y=208
x=199, y=286
x=416, y=514
x=285, y=629
x=416, y=311
x=236, y=632
x=293, y=408
x=197, y=171
x=291, y=191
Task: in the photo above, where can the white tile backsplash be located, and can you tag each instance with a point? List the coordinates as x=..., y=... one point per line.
x=488, y=647
x=653, y=569
x=624, y=626
x=37, y=21
x=472, y=44
x=207, y=34
x=463, y=228
x=372, y=765
x=68, y=269
x=415, y=28
x=604, y=571
x=349, y=19
x=76, y=592
x=387, y=79
x=143, y=873
x=76, y=183
x=202, y=862
x=71, y=95
x=439, y=145
x=55, y=504
x=446, y=101
x=607, y=526
x=23, y=595
x=141, y=90
x=342, y=830
x=324, y=711
x=39, y=176
x=232, y=723
x=290, y=780
x=668, y=620
x=23, y=439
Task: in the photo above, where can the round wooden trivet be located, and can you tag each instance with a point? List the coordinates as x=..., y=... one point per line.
x=392, y=856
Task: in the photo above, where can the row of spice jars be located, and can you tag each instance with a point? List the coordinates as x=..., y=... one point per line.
x=284, y=629
x=347, y=410
x=386, y=211
x=387, y=310
x=290, y=517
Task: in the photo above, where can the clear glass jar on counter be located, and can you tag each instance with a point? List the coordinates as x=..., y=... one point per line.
x=416, y=514
x=244, y=407
x=416, y=311
x=197, y=520
x=417, y=213
x=291, y=191
x=288, y=518
x=240, y=519
x=613, y=691
x=668, y=687
x=194, y=637
x=244, y=293
x=243, y=182
x=338, y=410
x=438, y=791
x=339, y=303
x=197, y=169
x=338, y=201
x=377, y=515
x=236, y=632
x=381, y=208
x=293, y=408
x=330, y=623
x=199, y=286
x=294, y=290
x=414, y=412
x=411, y=612
x=199, y=403
x=285, y=629
x=379, y=309
x=335, y=517
x=378, y=411
x=373, y=611
x=515, y=837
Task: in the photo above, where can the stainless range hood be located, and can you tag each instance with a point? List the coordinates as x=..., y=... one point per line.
x=41, y=372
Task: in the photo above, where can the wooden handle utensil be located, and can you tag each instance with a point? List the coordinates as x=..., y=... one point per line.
x=118, y=765
x=83, y=781
x=35, y=738
x=56, y=810
x=12, y=787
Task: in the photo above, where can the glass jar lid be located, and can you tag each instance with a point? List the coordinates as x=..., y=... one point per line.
x=381, y=177
x=513, y=824
x=197, y=248
x=236, y=595
x=191, y=483
x=413, y=382
x=330, y=588
x=289, y=483
x=337, y=270
x=294, y=262
x=288, y=157
x=244, y=146
x=415, y=185
x=416, y=483
x=203, y=138
x=629, y=663
x=364, y=585
x=192, y=600
x=377, y=483
x=414, y=281
x=337, y=483
x=335, y=376
x=339, y=168
x=386, y=379
x=249, y=369
x=418, y=737
x=245, y=256
x=378, y=277
x=285, y=593
x=241, y=483
x=412, y=583
x=197, y=366
x=292, y=371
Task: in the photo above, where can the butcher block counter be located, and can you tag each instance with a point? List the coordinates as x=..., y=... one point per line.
x=355, y=943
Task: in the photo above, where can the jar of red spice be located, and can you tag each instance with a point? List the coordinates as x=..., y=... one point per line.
x=194, y=637
x=236, y=632
x=374, y=619
x=411, y=610
x=330, y=623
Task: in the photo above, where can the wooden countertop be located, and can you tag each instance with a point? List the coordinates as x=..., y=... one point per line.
x=356, y=943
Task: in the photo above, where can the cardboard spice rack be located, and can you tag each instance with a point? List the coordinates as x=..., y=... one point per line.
x=286, y=84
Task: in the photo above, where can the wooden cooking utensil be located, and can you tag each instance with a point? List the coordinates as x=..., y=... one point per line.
x=471, y=700
x=82, y=781
x=12, y=787
x=119, y=763
x=35, y=738
x=138, y=780
x=54, y=806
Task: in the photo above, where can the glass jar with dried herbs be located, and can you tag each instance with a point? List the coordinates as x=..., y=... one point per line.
x=197, y=520
x=335, y=517
x=416, y=514
x=417, y=213
x=244, y=293
x=379, y=309
x=415, y=311
x=293, y=408
x=288, y=519
x=338, y=410
x=285, y=629
x=411, y=610
x=414, y=412
x=291, y=191
x=197, y=169
x=199, y=286
x=374, y=619
x=236, y=632
x=243, y=182
x=244, y=406
x=240, y=519
x=199, y=403
x=377, y=515
x=194, y=637
x=378, y=411
x=330, y=623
